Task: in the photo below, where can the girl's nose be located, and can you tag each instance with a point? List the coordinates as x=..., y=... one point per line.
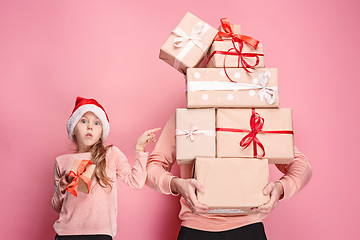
x=89, y=126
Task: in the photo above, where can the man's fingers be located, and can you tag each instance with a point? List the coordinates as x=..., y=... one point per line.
x=196, y=205
x=200, y=207
x=198, y=186
x=190, y=202
x=264, y=209
x=267, y=207
x=268, y=189
x=273, y=201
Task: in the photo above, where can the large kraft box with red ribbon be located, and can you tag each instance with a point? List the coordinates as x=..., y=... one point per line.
x=233, y=50
x=232, y=185
x=82, y=172
x=195, y=134
x=188, y=43
x=258, y=133
x=232, y=87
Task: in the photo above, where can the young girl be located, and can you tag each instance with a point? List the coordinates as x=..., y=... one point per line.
x=93, y=215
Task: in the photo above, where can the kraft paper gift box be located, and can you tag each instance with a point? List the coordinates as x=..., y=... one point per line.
x=232, y=185
x=257, y=133
x=210, y=87
x=195, y=134
x=219, y=50
x=82, y=172
x=188, y=43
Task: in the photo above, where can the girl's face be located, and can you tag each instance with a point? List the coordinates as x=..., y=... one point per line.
x=87, y=131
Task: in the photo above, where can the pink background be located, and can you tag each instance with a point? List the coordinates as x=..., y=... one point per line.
x=53, y=51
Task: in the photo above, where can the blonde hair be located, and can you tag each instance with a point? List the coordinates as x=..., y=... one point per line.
x=98, y=157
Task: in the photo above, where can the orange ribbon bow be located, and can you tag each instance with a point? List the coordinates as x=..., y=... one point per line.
x=73, y=186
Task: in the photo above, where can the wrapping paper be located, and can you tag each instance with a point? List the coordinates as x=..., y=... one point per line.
x=210, y=87
x=232, y=61
x=234, y=129
x=188, y=43
x=232, y=185
x=195, y=134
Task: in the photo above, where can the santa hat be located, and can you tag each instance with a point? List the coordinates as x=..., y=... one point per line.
x=83, y=105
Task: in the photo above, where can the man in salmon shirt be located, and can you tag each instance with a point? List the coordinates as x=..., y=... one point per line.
x=204, y=226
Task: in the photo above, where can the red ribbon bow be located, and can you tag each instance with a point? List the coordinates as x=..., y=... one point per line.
x=256, y=125
x=239, y=39
x=225, y=23
x=73, y=186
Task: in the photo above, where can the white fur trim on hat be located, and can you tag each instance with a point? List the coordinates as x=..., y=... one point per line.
x=75, y=117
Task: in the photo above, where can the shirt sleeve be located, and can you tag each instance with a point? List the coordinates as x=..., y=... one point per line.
x=162, y=159
x=296, y=174
x=58, y=197
x=134, y=176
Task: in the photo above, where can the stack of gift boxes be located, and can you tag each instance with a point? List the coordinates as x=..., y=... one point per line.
x=232, y=127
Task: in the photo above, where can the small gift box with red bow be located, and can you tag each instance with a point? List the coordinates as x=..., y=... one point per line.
x=188, y=43
x=232, y=186
x=235, y=28
x=81, y=174
x=195, y=134
x=231, y=49
x=257, y=133
x=214, y=87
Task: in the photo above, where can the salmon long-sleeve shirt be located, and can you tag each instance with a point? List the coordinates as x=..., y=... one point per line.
x=296, y=175
x=95, y=212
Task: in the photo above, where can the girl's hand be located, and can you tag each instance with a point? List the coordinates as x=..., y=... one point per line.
x=145, y=139
x=275, y=190
x=64, y=182
x=187, y=187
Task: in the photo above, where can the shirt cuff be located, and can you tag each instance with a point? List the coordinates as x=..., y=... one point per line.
x=283, y=183
x=167, y=185
x=141, y=155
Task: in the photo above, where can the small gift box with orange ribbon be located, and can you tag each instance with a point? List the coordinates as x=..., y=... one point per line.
x=81, y=173
x=255, y=133
x=195, y=134
x=188, y=43
x=210, y=87
x=232, y=186
x=231, y=49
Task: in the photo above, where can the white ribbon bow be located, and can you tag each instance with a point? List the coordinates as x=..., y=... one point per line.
x=266, y=92
x=195, y=36
x=194, y=131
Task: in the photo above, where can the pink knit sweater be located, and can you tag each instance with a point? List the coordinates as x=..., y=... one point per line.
x=96, y=212
x=296, y=176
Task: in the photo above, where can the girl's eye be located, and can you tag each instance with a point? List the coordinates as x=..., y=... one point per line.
x=83, y=121
x=97, y=123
